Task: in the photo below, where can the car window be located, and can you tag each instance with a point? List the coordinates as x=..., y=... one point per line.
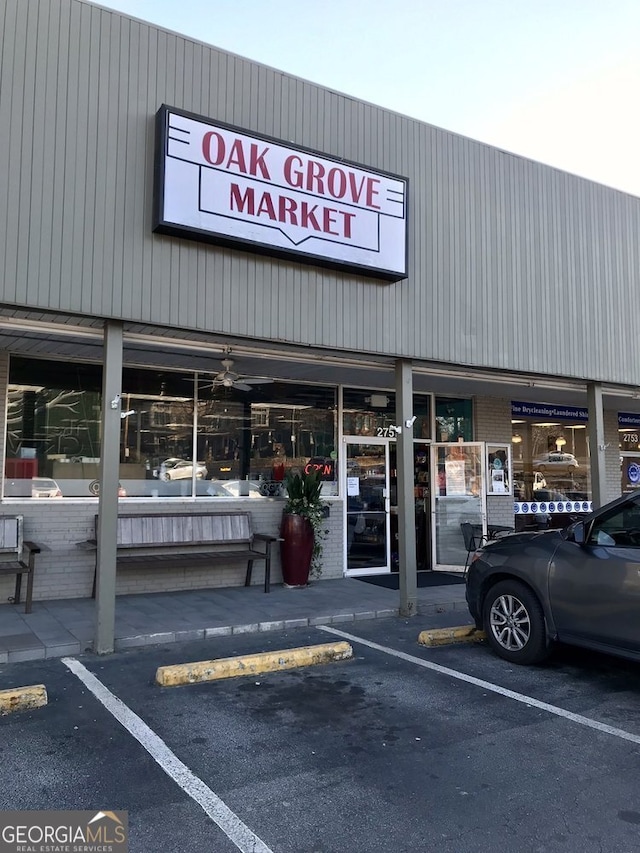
x=620, y=526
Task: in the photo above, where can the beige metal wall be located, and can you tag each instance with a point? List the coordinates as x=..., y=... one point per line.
x=513, y=265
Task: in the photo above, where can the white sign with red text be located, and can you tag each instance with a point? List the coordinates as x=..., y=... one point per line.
x=225, y=185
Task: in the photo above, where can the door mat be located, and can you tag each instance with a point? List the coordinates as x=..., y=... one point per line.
x=424, y=579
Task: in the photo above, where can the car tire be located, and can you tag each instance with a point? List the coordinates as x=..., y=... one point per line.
x=514, y=623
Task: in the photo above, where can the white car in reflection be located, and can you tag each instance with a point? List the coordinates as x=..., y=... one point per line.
x=35, y=487
x=556, y=463
x=45, y=487
x=181, y=469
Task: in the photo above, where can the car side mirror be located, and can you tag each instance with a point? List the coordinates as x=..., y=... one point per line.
x=578, y=532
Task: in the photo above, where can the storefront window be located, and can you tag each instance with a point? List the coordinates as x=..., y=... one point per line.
x=249, y=440
x=372, y=413
x=551, y=471
x=156, y=435
x=454, y=419
x=629, y=446
x=368, y=413
x=244, y=441
x=53, y=429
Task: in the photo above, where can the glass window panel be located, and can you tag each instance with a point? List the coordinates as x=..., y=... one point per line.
x=370, y=413
x=422, y=411
x=619, y=527
x=250, y=439
x=367, y=413
x=551, y=464
x=53, y=429
x=246, y=440
x=156, y=435
x=550, y=460
x=454, y=419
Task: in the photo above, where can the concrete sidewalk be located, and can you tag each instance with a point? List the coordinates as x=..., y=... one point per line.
x=57, y=628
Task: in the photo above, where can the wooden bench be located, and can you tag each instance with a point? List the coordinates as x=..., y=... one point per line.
x=187, y=540
x=17, y=557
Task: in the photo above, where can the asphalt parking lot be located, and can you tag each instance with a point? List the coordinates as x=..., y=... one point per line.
x=402, y=748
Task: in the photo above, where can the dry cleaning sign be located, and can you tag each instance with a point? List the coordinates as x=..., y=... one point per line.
x=221, y=184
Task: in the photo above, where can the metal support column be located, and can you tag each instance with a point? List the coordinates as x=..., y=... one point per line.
x=597, y=445
x=105, y=611
x=406, y=501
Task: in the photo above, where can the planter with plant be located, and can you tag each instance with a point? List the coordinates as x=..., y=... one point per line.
x=302, y=529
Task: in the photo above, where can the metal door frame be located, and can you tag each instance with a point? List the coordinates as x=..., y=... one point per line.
x=433, y=461
x=381, y=442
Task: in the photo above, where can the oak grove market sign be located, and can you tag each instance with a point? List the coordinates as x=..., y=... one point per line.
x=220, y=184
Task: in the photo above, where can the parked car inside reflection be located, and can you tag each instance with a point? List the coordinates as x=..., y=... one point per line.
x=181, y=469
x=36, y=487
x=45, y=487
x=556, y=462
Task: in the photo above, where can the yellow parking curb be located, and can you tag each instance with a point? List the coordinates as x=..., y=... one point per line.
x=444, y=636
x=22, y=698
x=211, y=670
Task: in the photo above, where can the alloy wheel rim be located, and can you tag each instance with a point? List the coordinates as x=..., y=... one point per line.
x=510, y=623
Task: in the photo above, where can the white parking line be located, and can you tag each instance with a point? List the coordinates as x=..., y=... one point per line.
x=487, y=685
x=240, y=834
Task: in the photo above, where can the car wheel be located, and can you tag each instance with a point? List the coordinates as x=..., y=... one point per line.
x=514, y=623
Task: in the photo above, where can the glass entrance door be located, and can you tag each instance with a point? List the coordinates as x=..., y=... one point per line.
x=458, y=487
x=368, y=504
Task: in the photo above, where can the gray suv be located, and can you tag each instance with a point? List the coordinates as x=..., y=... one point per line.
x=579, y=585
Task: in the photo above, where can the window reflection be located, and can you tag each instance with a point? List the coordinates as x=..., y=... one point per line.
x=230, y=443
x=250, y=439
x=373, y=413
x=550, y=460
x=453, y=419
x=156, y=436
x=53, y=430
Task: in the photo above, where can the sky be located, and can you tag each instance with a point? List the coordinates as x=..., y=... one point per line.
x=557, y=81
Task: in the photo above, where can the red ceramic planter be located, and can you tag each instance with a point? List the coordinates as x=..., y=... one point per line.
x=296, y=549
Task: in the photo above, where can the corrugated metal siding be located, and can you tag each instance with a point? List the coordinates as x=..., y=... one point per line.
x=512, y=264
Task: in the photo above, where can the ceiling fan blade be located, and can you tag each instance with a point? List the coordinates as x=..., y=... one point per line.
x=242, y=386
x=254, y=380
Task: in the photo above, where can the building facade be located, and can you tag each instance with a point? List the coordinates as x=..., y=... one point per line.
x=214, y=272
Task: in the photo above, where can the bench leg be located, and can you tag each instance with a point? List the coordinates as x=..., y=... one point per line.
x=247, y=580
x=27, y=603
x=18, y=589
x=30, y=576
x=267, y=571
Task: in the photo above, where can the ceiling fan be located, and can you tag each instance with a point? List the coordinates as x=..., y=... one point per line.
x=228, y=378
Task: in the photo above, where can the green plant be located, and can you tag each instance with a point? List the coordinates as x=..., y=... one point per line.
x=304, y=497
